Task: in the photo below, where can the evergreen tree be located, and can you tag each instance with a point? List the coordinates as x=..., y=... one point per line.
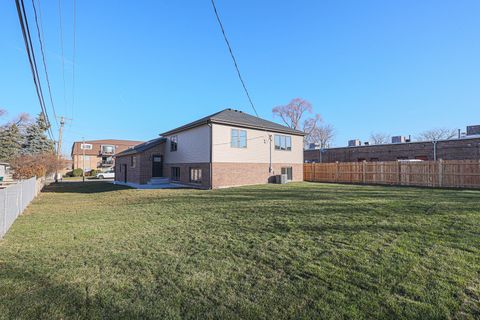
x=10, y=142
x=36, y=141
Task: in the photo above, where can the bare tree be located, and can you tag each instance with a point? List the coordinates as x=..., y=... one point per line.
x=379, y=138
x=437, y=134
x=322, y=135
x=294, y=115
x=2, y=112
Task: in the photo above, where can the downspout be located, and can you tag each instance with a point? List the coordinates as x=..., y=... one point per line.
x=211, y=154
x=270, y=163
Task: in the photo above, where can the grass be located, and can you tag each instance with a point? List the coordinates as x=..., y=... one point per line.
x=301, y=250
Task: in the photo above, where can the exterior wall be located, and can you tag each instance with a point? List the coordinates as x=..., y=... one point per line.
x=185, y=173
x=91, y=161
x=257, y=150
x=456, y=149
x=133, y=173
x=95, y=153
x=193, y=146
x=145, y=163
x=229, y=174
x=141, y=173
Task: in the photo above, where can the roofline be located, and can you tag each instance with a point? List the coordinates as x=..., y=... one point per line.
x=231, y=123
x=399, y=144
x=132, y=150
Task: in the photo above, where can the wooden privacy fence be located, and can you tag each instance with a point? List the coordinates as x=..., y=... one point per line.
x=442, y=173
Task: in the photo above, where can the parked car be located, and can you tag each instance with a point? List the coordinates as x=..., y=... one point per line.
x=110, y=173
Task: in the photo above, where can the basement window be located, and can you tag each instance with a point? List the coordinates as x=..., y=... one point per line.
x=195, y=175
x=288, y=172
x=175, y=173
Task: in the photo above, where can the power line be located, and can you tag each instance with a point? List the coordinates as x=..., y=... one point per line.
x=44, y=62
x=233, y=58
x=63, y=56
x=74, y=51
x=31, y=58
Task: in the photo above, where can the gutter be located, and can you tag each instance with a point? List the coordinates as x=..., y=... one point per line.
x=211, y=154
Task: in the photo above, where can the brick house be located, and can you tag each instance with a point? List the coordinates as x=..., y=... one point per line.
x=228, y=148
x=99, y=154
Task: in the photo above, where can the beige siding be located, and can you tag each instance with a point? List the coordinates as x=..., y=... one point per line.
x=257, y=150
x=193, y=146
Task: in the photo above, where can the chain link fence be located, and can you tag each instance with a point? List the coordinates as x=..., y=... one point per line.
x=14, y=199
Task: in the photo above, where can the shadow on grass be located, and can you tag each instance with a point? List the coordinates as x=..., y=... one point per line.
x=48, y=298
x=83, y=187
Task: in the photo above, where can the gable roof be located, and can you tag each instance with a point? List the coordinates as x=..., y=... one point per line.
x=142, y=147
x=239, y=119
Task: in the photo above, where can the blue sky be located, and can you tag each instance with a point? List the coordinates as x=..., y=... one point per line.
x=143, y=67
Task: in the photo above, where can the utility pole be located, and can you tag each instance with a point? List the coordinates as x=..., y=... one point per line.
x=59, y=144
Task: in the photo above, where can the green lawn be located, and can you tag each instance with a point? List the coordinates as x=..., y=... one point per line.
x=301, y=250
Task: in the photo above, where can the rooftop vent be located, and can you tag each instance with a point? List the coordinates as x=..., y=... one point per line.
x=354, y=143
x=398, y=139
x=473, y=130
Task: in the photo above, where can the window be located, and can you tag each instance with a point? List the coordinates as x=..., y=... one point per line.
x=288, y=172
x=108, y=149
x=283, y=143
x=195, y=175
x=175, y=173
x=173, y=143
x=239, y=138
x=133, y=161
x=86, y=146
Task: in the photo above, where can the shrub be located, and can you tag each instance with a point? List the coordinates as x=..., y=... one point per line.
x=77, y=172
x=93, y=172
x=39, y=165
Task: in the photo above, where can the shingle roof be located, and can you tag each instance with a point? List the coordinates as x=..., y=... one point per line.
x=142, y=147
x=237, y=118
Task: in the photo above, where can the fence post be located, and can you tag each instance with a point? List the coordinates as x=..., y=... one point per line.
x=399, y=173
x=440, y=173
x=5, y=212
x=336, y=171
x=364, y=173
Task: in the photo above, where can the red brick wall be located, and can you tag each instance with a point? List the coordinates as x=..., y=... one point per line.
x=133, y=173
x=226, y=174
x=142, y=172
x=463, y=149
x=185, y=173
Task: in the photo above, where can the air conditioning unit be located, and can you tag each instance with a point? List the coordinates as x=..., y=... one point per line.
x=398, y=139
x=281, y=178
x=354, y=143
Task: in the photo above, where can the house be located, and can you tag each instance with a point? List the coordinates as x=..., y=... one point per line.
x=462, y=148
x=227, y=148
x=99, y=154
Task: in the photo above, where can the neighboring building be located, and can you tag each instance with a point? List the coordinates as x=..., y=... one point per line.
x=4, y=172
x=228, y=148
x=99, y=154
x=465, y=148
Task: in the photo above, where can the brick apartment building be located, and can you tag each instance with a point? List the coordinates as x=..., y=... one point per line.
x=99, y=154
x=464, y=148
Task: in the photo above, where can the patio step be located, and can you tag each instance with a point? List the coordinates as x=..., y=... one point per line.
x=160, y=180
